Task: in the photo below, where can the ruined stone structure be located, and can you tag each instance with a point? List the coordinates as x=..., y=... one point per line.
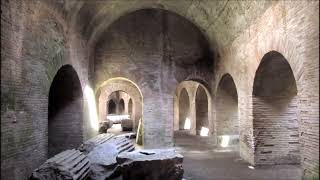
x=218, y=71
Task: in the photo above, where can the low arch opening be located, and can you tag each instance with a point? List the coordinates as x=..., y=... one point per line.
x=65, y=111
x=202, y=122
x=184, y=110
x=227, y=117
x=275, y=107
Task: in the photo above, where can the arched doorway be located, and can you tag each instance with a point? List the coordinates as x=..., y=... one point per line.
x=111, y=107
x=121, y=106
x=130, y=106
x=184, y=110
x=65, y=111
x=227, y=118
x=275, y=123
x=201, y=110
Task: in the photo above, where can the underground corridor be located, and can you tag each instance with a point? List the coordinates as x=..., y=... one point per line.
x=159, y=90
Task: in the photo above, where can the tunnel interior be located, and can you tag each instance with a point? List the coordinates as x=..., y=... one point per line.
x=226, y=84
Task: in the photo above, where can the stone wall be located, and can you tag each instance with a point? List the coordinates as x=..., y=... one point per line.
x=33, y=47
x=292, y=30
x=276, y=130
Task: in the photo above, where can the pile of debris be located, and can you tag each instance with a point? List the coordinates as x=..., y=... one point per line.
x=107, y=156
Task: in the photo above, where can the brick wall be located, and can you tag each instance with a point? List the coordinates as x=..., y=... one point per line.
x=33, y=48
x=276, y=130
x=292, y=30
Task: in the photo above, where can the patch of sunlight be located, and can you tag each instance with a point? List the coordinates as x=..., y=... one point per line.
x=225, y=141
x=93, y=115
x=204, y=131
x=187, y=124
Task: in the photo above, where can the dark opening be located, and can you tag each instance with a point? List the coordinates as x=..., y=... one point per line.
x=65, y=113
x=121, y=106
x=130, y=107
x=112, y=107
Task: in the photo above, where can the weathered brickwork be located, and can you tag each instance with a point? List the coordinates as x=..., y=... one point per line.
x=33, y=48
x=276, y=130
x=157, y=49
x=292, y=30
x=227, y=119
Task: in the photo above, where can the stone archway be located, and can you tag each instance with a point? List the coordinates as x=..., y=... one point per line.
x=130, y=107
x=65, y=111
x=111, y=107
x=202, y=114
x=275, y=112
x=194, y=89
x=127, y=86
x=184, y=110
x=227, y=115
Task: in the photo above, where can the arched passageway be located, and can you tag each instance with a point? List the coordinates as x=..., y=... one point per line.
x=276, y=126
x=184, y=110
x=201, y=110
x=111, y=107
x=121, y=107
x=227, y=118
x=130, y=107
x=117, y=89
x=65, y=111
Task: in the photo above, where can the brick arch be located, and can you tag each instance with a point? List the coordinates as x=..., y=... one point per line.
x=121, y=84
x=65, y=102
x=274, y=108
x=184, y=107
x=192, y=87
x=283, y=45
x=227, y=112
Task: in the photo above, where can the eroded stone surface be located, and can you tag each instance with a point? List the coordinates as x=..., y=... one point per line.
x=154, y=164
x=69, y=164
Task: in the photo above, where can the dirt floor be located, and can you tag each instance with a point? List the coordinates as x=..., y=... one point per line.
x=203, y=161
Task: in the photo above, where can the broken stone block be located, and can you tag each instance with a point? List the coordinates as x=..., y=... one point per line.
x=153, y=164
x=69, y=164
x=104, y=126
x=103, y=157
x=129, y=135
x=90, y=144
x=126, y=124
